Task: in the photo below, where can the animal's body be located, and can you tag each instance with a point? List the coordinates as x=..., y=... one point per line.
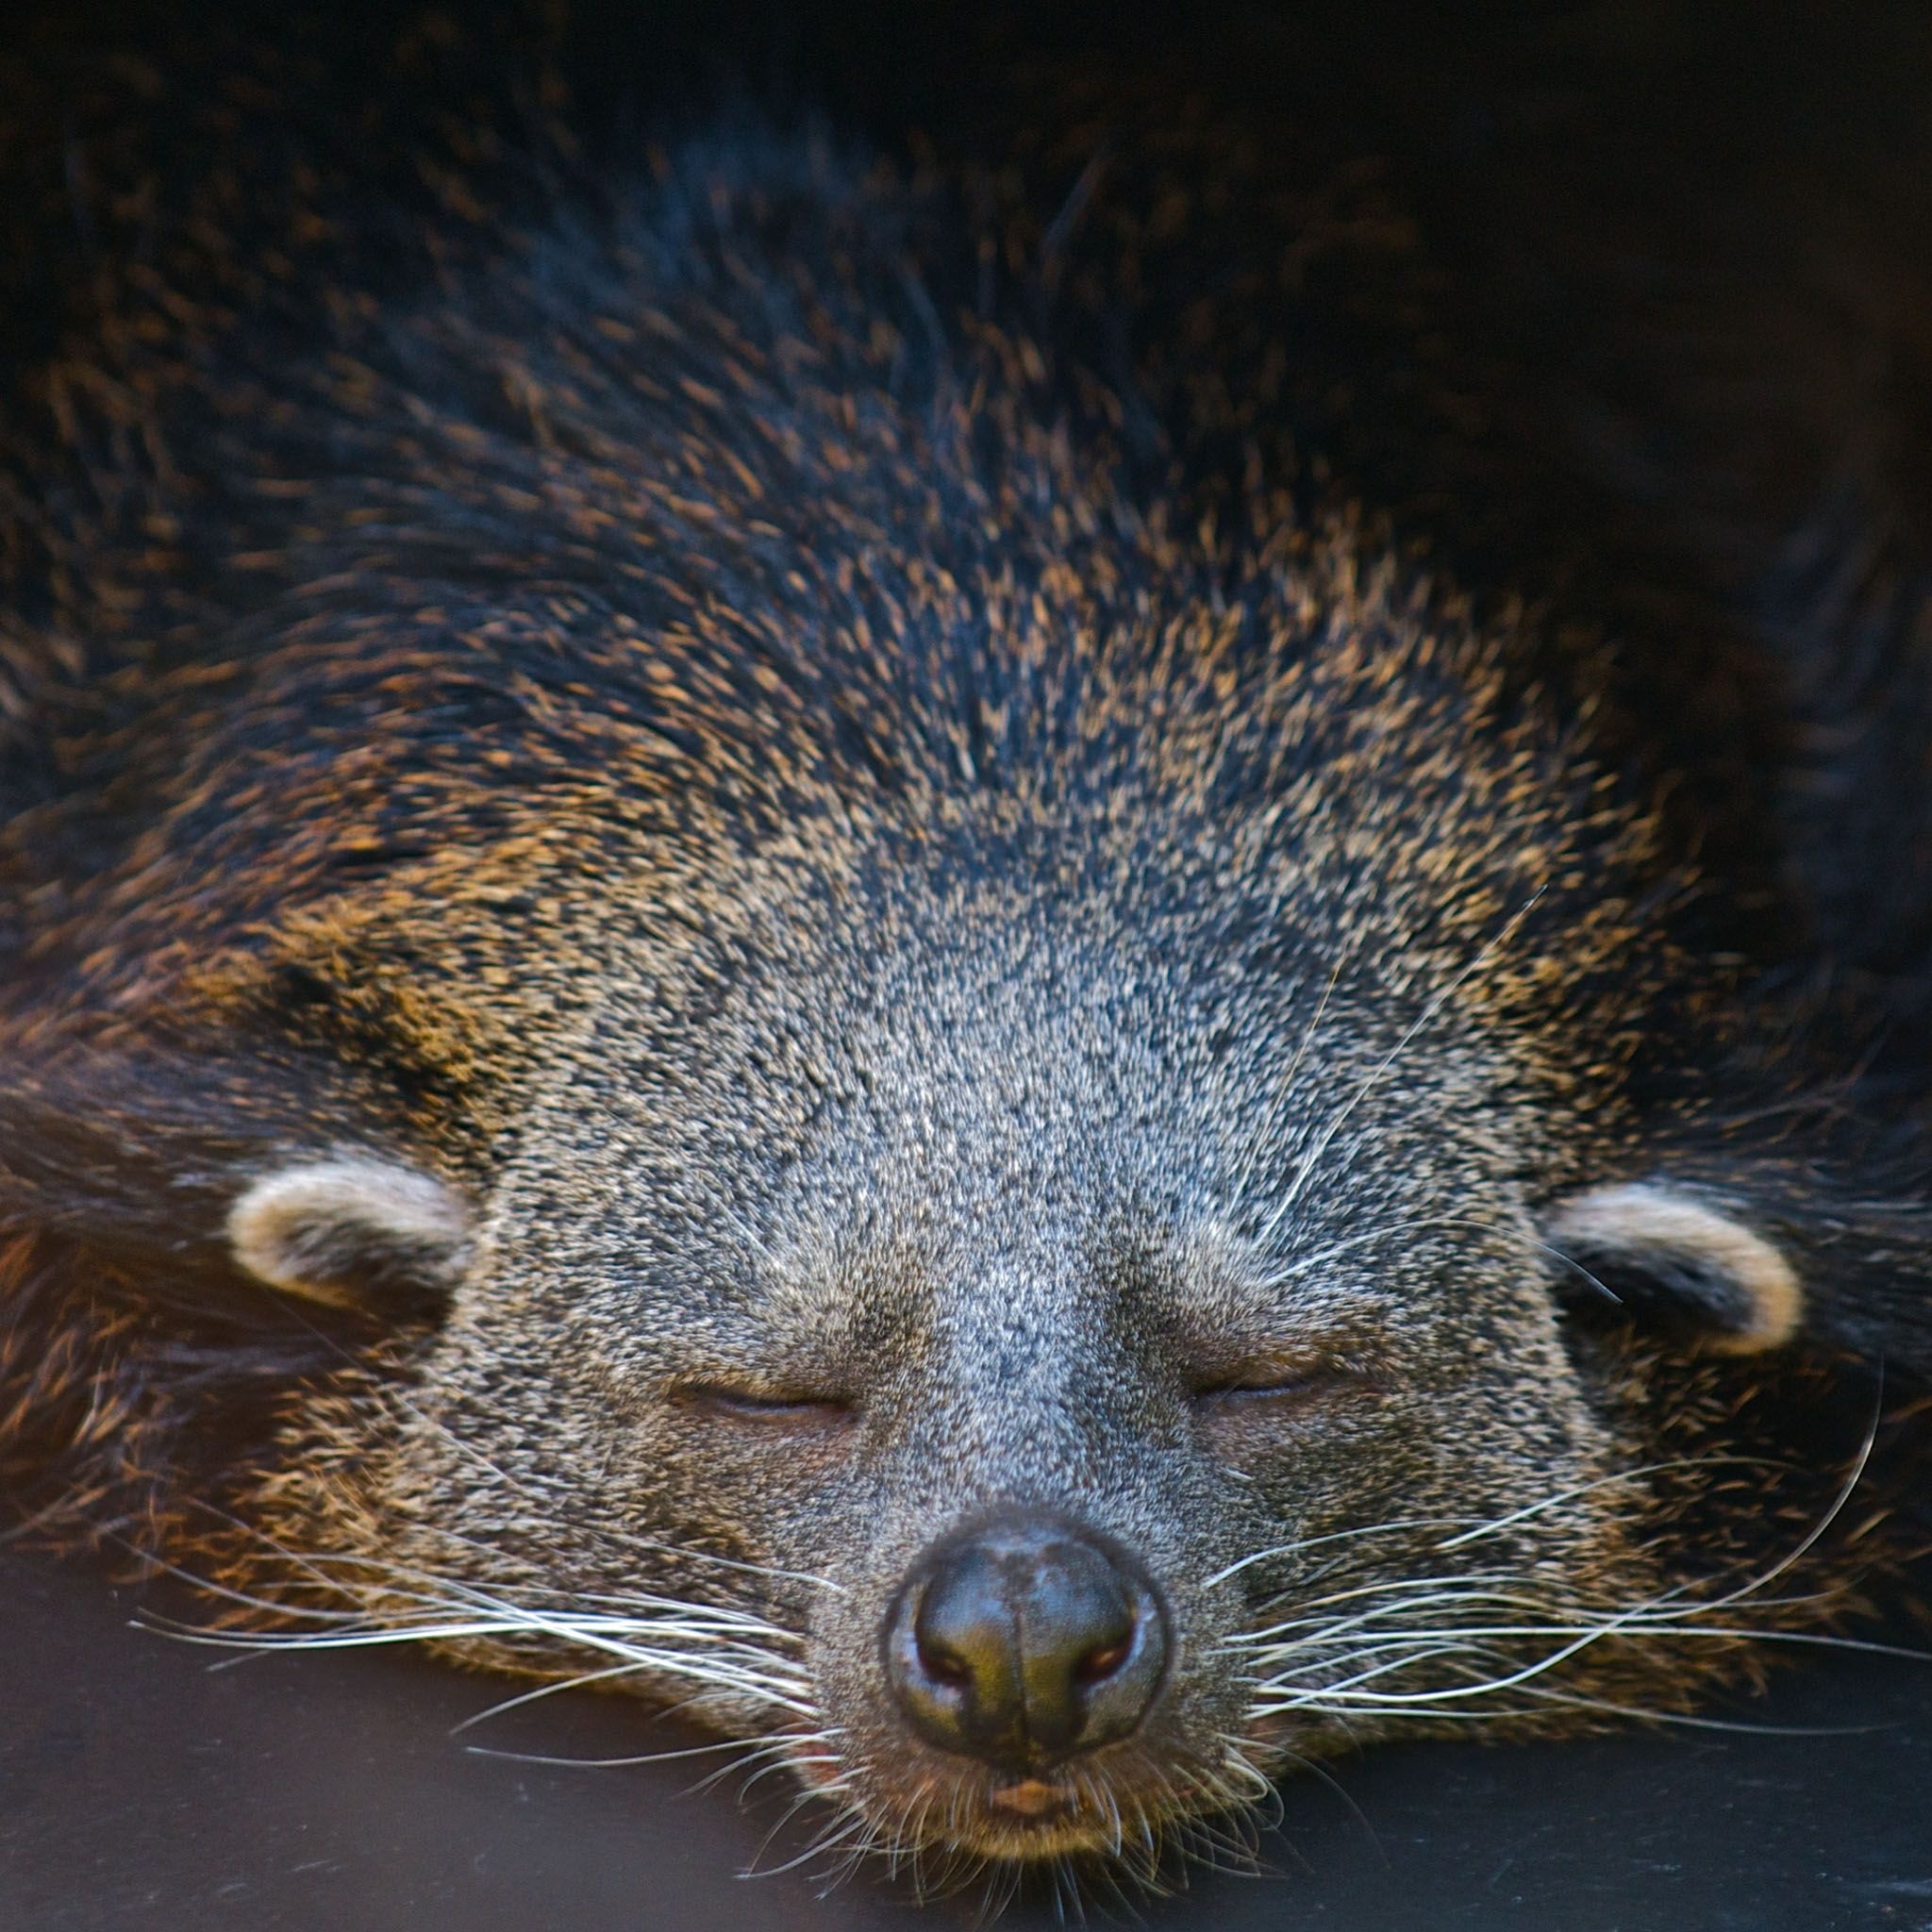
x=822, y=933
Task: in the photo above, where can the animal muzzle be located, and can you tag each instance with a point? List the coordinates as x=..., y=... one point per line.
x=1024, y=1640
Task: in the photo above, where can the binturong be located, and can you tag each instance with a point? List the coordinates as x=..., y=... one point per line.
x=762, y=942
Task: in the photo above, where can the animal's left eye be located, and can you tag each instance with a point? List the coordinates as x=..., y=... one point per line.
x=1279, y=1385
x=1271, y=1385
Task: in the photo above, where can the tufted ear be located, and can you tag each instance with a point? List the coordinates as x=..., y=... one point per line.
x=1677, y=1258
x=350, y=1229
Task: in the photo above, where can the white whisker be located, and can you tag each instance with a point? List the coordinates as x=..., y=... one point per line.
x=1303, y=1173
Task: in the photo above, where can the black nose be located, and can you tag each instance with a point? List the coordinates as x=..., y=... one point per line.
x=1023, y=1639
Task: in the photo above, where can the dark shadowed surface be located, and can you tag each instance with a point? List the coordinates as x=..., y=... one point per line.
x=138, y=1788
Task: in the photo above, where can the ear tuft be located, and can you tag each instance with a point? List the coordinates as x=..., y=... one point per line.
x=351, y=1230
x=1666, y=1252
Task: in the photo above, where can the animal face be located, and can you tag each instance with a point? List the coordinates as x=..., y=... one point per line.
x=1032, y=1389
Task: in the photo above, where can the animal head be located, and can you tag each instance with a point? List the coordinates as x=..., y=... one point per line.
x=1041, y=1325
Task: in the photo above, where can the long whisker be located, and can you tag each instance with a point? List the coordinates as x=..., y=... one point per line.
x=1303, y=1172
x=400, y=1400
x=734, y=1655
x=629, y=1761
x=1284, y=1088
x=1317, y=1663
x=583, y=1681
x=1335, y=1536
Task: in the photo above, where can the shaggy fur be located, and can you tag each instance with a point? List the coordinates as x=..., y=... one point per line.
x=816, y=836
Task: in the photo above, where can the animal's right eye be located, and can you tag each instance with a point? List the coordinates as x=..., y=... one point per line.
x=756, y=1403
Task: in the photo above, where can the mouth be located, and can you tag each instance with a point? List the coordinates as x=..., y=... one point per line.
x=1035, y=1800
x=1038, y=1818
x=1033, y=1816
x=1029, y=1817
x=1120, y=1808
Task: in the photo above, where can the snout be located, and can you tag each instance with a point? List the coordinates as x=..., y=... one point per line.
x=1023, y=1641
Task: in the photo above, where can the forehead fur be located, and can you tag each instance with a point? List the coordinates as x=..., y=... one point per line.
x=977, y=1096
x=882, y=589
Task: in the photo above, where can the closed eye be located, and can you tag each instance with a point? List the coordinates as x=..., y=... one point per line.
x=1280, y=1386
x=1266, y=1385
x=746, y=1403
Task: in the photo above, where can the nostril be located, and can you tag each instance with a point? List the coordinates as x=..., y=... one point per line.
x=1098, y=1665
x=944, y=1666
